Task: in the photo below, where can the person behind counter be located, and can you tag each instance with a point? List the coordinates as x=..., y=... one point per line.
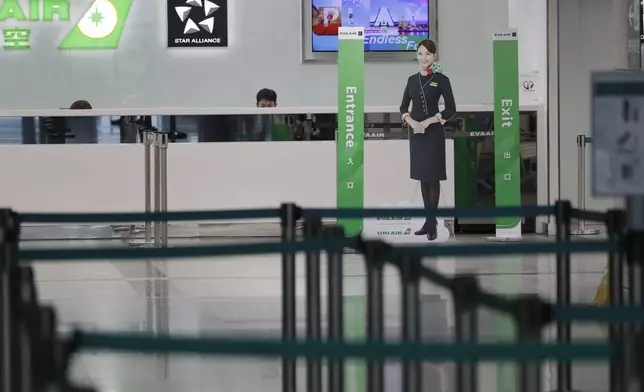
x=427, y=139
x=56, y=130
x=266, y=98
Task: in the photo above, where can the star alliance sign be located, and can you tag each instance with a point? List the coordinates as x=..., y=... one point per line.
x=208, y=23
x=197, y=23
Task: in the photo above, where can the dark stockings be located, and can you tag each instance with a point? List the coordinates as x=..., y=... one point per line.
x=431, y=193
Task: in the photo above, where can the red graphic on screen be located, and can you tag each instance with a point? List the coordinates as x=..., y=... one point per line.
x=326, y=20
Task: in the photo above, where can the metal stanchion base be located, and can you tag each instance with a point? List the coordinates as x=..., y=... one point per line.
x=137, y=229
x=585, y=231
x=130, y=228
x=142, y=243
x=505, y=239
x=449, y=225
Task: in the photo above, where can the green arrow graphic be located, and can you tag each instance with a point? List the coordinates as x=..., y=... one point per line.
x=100, y=27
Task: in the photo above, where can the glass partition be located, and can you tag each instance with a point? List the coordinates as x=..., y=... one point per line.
x=191, y=129
x=231, y=128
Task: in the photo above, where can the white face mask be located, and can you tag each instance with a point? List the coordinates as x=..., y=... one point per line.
x=425, y=59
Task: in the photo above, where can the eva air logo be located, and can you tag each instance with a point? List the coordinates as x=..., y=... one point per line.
x=100, y=27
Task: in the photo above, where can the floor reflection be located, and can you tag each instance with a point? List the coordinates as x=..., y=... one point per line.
x=240, y=297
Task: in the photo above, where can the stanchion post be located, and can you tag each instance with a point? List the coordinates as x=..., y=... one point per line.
x=25, y=292
x=410, y=323
x=615, y=223
x=9, y=237
x=532, y=314
x=312, y=227
x=634, y=242
x=375, y=311
x=156, y=143
x=335, y=307
x=289, y=215
x=563, y=216
x=465, y=291
x=581, y=228
x=163, y=187
x=147, y=142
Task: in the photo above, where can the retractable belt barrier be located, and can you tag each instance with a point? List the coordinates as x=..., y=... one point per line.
x=34, y=357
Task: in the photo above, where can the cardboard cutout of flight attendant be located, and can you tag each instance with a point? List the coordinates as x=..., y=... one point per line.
x=427, y=150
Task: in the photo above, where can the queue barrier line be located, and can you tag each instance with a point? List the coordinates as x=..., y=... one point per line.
x=472, y=250
x=425, y=351
x=122, y=217
x=494, y=301
x=507, y=304
x=587, y=215
x=531, y=313
x=599, y=314
x=460, y=212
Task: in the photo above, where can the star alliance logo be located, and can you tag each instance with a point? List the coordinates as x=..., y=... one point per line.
x=207, y=24
x=197, y=23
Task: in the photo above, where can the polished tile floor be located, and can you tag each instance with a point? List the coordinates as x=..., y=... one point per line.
x=240, y=296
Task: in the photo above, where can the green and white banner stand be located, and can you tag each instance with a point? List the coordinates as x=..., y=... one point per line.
x=507, y=149
x=350, y=176
x=350, y=139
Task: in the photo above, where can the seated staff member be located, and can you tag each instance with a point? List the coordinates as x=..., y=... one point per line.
x=266, y=98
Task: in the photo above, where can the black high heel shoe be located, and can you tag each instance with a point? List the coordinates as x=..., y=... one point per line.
x=423, y=230
x=432, y=231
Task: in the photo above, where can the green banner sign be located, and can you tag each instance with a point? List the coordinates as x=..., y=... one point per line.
x=100, y=27
x=350, y=140
x=507, y=149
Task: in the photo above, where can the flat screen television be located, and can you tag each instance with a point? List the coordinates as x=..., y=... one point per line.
x=390, y=25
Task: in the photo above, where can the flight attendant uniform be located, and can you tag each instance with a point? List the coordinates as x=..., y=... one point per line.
x=427, y=150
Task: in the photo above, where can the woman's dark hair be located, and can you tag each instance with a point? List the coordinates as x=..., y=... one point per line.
x=267, y=95
x=81, y=105
x=428, y=44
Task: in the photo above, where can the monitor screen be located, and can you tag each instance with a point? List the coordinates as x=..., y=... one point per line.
x=390, y=25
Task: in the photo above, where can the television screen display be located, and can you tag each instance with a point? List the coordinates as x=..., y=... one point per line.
x=390, y=25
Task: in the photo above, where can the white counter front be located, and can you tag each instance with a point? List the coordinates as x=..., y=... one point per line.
x=203, y=176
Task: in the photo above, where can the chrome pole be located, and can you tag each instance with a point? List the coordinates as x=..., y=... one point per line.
x=157, y=186
x=163, y=186
x=581, y=229
x=147, y=139
x=147, y=143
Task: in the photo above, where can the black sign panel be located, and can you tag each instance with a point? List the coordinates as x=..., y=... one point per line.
x=642, y=21
x=197, y=23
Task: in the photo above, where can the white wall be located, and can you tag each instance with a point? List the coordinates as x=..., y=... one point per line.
x=529, y=17
x=587, y=42
x=202, y=176
x=143, y=73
